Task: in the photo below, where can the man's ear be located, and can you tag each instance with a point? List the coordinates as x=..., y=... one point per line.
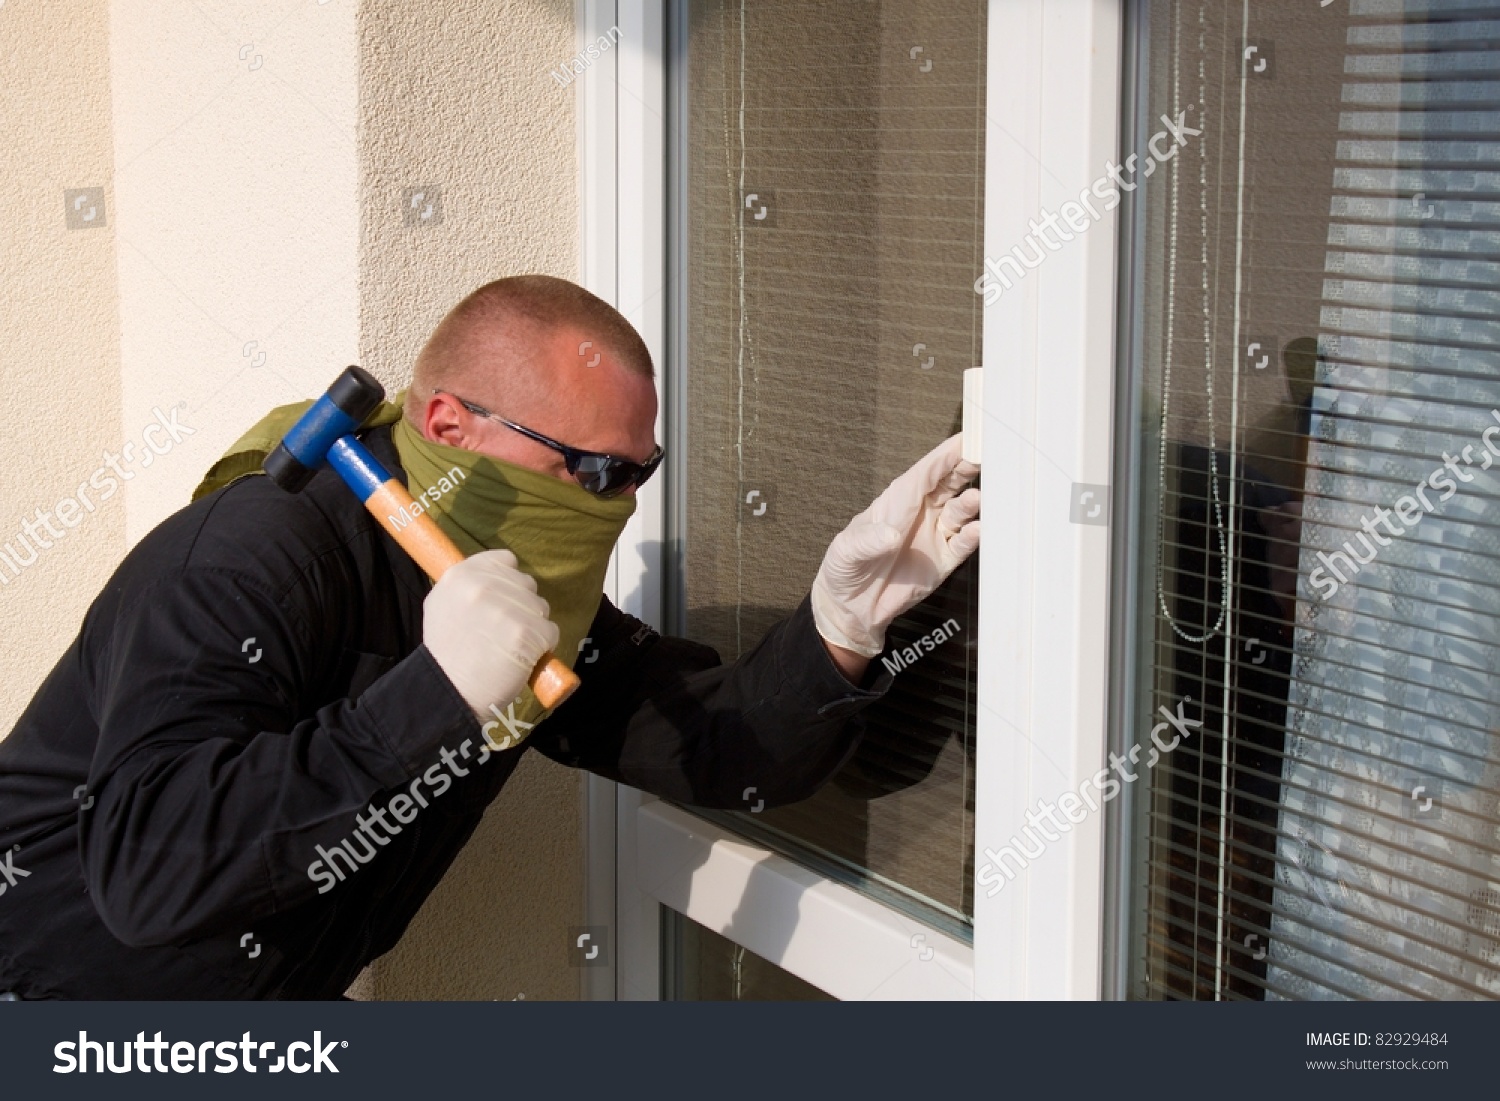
x=443, y=421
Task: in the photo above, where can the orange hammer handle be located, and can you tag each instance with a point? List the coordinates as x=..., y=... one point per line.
x=551, y=680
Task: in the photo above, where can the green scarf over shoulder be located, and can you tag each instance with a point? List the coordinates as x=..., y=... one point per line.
x=561, y=534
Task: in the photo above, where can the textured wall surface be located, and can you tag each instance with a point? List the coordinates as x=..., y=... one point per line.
x=457, y=97
x=237, y=221
x=455, y=102
x=59, y=352
x=254, y=157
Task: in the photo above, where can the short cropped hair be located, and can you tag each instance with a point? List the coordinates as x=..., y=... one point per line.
x=516, y=310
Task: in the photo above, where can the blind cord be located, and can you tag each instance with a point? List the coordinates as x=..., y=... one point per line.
x=1208, y=374
x=742, y=328
x=1230, y=604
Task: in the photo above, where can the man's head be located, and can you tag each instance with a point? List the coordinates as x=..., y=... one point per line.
x=543, y=353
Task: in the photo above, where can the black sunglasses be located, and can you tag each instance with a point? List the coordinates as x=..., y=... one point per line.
x=602, y=475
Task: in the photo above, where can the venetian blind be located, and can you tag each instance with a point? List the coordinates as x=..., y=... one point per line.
x=1323, y=281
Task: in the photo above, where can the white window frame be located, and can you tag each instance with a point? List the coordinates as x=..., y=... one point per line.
x=1053, y=115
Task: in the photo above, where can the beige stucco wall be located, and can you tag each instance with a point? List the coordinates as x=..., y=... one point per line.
x=59, y=348
x=254, y=156
x=237, y=219
x=456, y=96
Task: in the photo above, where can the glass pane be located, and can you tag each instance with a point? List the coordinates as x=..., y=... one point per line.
x=702, y=966
x=1320, y=386
x=831, y=221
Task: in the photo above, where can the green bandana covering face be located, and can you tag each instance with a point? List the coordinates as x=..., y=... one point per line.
x=561, y=534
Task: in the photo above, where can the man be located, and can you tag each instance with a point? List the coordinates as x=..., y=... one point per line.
x=273, y=734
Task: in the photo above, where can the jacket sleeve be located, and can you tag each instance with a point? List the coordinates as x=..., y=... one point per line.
x=665, y=715
x=207, y=789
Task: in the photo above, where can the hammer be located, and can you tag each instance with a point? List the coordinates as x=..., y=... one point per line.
x=326, y=432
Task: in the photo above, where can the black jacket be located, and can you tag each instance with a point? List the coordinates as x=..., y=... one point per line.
x=251, y=681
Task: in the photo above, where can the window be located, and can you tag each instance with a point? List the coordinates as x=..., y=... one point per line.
x=705, y=967
x=1318, y=316
x=829, y=206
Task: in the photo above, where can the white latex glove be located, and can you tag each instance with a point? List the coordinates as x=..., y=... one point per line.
x=896, y=552
x=486, y=627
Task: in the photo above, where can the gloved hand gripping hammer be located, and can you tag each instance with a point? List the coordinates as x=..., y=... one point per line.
x=326, y=433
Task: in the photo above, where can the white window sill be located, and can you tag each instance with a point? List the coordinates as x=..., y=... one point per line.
x=823, y=932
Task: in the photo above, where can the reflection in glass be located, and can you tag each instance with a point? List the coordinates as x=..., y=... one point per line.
x=1320, y=320
x=832, y=225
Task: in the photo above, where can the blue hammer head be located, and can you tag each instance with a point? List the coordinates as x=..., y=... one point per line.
x=353, y=396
